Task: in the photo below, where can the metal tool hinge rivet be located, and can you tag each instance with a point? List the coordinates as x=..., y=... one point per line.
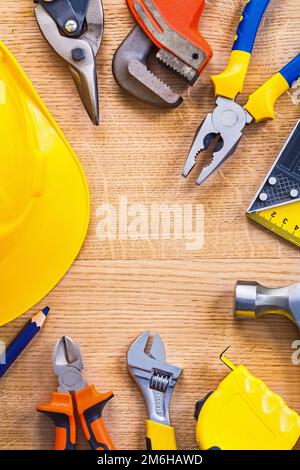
x=78, y=54
x=263, y=197
x=294, y=193
x=71, y=26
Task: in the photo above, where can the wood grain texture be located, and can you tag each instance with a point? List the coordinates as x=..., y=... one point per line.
x=105, y=305
x=118, y=289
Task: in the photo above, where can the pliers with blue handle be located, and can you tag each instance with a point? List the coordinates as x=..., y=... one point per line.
x=229, y=119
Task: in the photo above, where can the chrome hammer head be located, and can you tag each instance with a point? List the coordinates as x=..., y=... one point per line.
x=153, y=375
x=253, y=300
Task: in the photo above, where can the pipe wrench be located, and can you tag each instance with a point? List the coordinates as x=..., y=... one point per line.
x=169, y=28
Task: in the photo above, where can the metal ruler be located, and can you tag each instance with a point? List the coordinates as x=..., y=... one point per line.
x=276, y=205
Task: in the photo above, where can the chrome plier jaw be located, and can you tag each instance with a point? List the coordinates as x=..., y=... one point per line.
x=68, y=365
x=229, y=119
x=226, y=123
x=76, y=39
x=154, y=376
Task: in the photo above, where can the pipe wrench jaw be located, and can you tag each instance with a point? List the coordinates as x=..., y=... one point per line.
x=225, y=125
x=131, y=72
x=154, y=376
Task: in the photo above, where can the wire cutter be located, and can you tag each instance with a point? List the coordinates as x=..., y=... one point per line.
x=74, y=392
x=229, y=119
x=156, y=380
x=74, y=29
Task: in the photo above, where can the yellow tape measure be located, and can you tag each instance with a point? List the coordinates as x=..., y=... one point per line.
x=276, y=205
x=244, y=414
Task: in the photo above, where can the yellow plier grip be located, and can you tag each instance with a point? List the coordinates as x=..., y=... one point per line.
x=231, y=82
x=160, y=436
x=262, y=101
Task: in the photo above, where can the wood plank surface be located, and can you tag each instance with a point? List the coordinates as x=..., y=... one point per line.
x=119, y=288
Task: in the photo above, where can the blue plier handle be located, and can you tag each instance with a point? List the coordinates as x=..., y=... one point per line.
x=249, y=24
x=231, y=82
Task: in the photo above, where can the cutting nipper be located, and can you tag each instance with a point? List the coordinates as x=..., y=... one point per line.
x=74, y=394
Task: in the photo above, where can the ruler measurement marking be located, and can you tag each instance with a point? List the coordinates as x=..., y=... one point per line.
x=281, y=211
x=272, y=224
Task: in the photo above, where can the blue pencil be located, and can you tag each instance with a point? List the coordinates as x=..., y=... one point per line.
x=21, y=341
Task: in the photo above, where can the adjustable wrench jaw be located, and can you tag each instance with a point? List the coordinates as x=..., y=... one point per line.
x=157, y=401
x=227, y=123
x=154, y=376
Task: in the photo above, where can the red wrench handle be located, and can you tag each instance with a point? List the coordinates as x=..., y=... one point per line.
x=181, y=16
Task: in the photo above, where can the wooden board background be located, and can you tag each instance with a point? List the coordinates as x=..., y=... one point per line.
x=116, y=290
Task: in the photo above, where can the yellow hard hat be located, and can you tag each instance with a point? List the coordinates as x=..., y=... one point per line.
x=44, y=198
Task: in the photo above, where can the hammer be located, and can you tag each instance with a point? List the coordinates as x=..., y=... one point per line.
x=253, y=300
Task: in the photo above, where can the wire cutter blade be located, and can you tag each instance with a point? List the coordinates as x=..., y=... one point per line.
x=76, y=38
x=68, y=365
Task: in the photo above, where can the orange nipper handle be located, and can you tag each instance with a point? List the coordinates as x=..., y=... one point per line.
x=61, y=411
x=90, y=405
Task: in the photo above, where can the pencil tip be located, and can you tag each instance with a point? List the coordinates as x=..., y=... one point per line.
x=46, y=310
